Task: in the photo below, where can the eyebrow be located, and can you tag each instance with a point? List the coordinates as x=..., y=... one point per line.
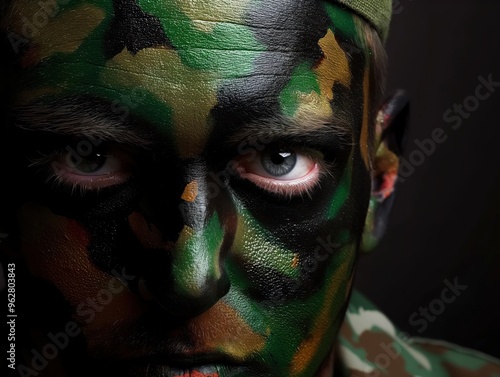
x=94, y=119
x=82, y=119
x=311, y=129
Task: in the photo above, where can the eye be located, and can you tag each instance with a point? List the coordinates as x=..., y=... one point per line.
x=283, y=171
x=99, y=168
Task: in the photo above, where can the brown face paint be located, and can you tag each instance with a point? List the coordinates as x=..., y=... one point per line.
x=190, y=192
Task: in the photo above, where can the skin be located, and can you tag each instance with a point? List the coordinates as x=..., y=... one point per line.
x=225, y=269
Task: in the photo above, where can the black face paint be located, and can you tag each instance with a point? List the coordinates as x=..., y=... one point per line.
x=133, y=29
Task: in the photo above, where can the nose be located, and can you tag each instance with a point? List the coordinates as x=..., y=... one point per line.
x=197, y=277
x=193, y=277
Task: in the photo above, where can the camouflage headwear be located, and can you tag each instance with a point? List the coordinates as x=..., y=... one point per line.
x=377, y=12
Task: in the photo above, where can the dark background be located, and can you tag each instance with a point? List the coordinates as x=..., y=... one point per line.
x=446, y=218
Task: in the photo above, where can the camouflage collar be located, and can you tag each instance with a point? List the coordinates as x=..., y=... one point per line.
x=369, y=345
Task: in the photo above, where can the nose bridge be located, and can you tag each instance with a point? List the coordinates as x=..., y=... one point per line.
x=196, y=279
x=196, y=259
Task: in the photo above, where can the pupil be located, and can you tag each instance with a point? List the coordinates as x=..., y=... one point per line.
x=278, y=163
x=278, y=158
x=91, y=163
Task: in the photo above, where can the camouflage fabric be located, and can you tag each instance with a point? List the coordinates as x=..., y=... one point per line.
x=377, y=12
x=370, y=346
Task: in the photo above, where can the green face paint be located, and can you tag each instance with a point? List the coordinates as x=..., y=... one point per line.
x=218, y=162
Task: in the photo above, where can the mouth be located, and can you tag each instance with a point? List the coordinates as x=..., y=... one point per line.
x=199, y=366
x=212, y=370
x=157, y=370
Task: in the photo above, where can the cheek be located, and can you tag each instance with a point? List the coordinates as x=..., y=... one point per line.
x=54, y=249
x=304, y=288
x=324, y=313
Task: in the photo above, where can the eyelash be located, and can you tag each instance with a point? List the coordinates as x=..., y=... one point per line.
x=44, y=165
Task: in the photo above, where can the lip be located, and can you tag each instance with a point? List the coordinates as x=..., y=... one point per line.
x=186, y=361
x=167, y=370
x=199, y=365
x=155, y=370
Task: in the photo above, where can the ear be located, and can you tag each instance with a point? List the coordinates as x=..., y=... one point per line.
x=389, y=131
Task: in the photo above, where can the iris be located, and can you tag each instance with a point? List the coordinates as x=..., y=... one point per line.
x=278, y=162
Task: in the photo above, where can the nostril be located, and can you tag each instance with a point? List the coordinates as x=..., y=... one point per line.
x=189, y=303
x=153, y=231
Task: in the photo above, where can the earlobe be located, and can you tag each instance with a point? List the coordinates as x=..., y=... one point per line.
x=391, y=123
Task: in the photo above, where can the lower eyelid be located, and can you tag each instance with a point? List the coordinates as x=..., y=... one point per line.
x=289, y=188
x=90, y=182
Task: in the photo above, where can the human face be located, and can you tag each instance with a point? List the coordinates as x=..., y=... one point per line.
x=196, y=181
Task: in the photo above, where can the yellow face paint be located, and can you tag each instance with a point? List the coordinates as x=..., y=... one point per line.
x=189, y=93
x=213, y=11
x=334, y=67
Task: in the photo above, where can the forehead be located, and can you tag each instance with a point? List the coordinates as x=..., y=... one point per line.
x=185, y=65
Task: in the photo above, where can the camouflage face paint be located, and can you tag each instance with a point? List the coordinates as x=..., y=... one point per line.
x=195, y=111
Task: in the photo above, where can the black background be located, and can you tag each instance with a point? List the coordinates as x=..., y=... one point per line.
x=446, y=218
